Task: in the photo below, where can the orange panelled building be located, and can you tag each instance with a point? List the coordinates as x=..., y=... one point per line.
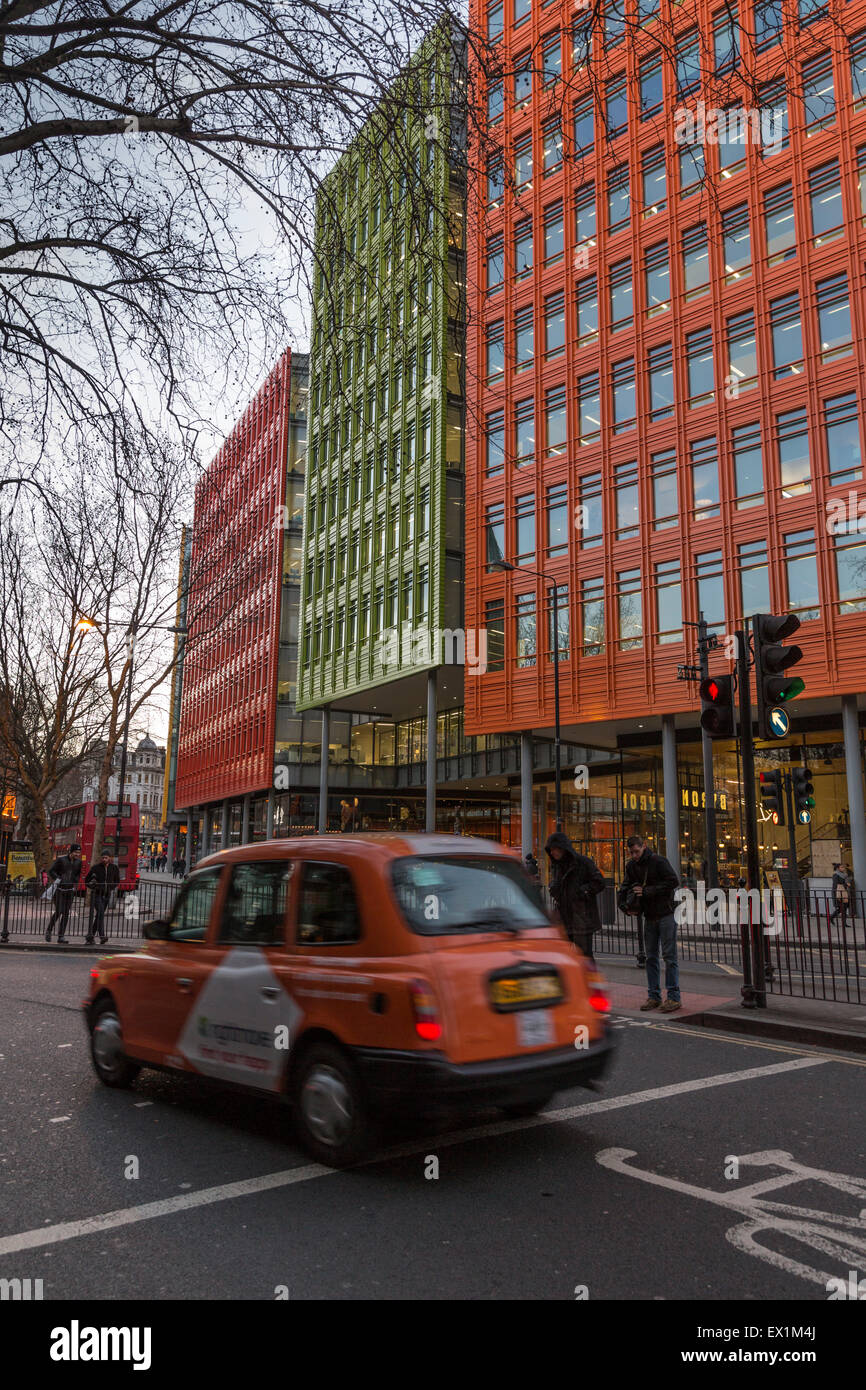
x=667, y=358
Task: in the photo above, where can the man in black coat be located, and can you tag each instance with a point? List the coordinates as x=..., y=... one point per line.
x=101, y=879
x=648, y=888
x=574, y=886
x=67, y=871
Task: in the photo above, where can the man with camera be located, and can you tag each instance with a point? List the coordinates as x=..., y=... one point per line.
x=648, y=890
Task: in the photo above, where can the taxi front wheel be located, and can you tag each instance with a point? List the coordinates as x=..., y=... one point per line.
x=330, y=1111
x=110, y=1062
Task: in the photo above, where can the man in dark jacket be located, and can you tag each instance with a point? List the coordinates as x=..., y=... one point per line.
x=66, y=871
x=574, y=886
x=101, y=879
x=648, y=888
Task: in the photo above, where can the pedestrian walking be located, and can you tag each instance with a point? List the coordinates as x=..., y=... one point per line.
x=178, y=866
x=152, y=857
x=841, y=891
x=65, y=871
x=530, y=863
x=575, y=884
x=102, y=879
x=648, y=890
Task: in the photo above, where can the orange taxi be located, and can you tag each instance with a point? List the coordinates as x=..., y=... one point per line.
x=359, y=977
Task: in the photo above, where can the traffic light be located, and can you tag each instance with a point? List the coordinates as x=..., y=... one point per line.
x=802, y=788
x=717, y=706
x=771, y=795
x=773, y=661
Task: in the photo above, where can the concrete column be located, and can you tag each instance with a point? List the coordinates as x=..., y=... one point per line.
x=526, y=826
x=854, y=777
x=189, y=830
x=430, y=818
x=205, y=831
x=671, y=788
x=224, y=835
x=269, y=825
x=172, y=840
x=245, y=821
x=323, y=771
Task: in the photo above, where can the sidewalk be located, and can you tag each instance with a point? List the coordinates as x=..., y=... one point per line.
x=711, y=999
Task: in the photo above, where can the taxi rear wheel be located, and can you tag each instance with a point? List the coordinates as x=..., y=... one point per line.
x=330, y=1110
x=110, y=1062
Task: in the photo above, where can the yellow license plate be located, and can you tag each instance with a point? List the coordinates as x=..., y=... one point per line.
x=527, y=989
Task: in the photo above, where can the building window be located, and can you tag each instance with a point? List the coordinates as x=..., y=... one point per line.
x=522, y=10
x=554, y=325
x=523, y=161
x=587, y=311
x=742, y=354
x=792, y=440
x=614, y=23
x=630, y=609
x=768, y=23
x=494, y=21
x=850, y=566
x=621, y=295
x=494, y=622
x=857, y=46
x=584, y=211
x=592, y=608
x=618, y=199
x=737, y=243
x=654, y=180
x=616, y=107
x=819, y=96
x=557, y=520
x=627, y=493
x=562, y=626
x=787, y=336
x=748, y=466
x=524, y=339
x=692, y=169
x=551, y=59
x=523, y=249
x=825, y=202
x=554, y=234
x=495, y=350
x=709, y=571
x=652, y=90
x=726, y=39
x=665, y=494
x=495, y=180
x=688, y=63
x=555, y=427
x=525, y=623
x=551, y=147
x=775, y=133
x=524, y=433
x=801, y=572
x=523, y=79
x=657, y=278
x=524, y=514
x=589, y=407
x=495, y=103
x=590, y=513
x=834, y=318
x=754, y=576
x=494, y=435
x=495, y=522
x=842, y=438
x=669, y=602
x=624, y=396
x=584, y=127
x=696, y=260
x=423, y=593
x=705, y=477
x=660, y=369
x=495, y=263
x=699, y=365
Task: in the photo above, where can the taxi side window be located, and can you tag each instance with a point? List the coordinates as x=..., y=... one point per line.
x=328, y=912
x=192, y=907
x=255, y=908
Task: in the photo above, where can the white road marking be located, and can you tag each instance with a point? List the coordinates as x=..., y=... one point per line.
x=59, y=1045
x=58, y=1119
x=140, y=1104
x=128, y=1216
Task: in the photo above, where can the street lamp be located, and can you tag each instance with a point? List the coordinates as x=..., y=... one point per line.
x=539, y=574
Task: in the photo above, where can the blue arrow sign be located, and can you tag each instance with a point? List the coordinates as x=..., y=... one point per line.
x=779, y=722
x=804, y=817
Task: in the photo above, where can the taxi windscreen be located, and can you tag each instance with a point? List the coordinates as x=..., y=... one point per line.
x=439, y=895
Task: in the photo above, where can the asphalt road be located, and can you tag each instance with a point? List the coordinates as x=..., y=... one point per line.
x=629, y=1193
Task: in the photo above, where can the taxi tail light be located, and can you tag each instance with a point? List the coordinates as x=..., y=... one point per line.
x=94, y=974
x=427, y=1023
x=598, y=996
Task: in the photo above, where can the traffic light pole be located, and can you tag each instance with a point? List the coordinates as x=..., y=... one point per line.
x=751, y=934
x=792, y=841
x=710, y=832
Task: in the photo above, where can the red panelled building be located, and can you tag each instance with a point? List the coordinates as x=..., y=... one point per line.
x=667, y=335
x=231, y=661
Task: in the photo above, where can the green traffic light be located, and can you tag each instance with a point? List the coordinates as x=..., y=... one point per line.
x=793, y=689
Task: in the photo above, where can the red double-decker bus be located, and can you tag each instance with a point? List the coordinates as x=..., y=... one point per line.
x=75, y=825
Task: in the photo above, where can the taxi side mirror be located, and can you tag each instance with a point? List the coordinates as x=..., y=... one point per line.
x=157, y=930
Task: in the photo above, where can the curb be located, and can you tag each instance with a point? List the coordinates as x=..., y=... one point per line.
x=782, y=1030
x=51, y=948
